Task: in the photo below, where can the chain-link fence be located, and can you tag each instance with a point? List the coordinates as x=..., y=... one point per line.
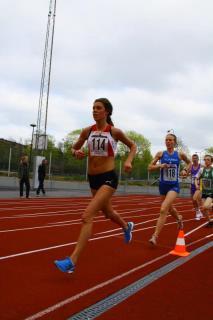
x=10, y=158
x=64, y=171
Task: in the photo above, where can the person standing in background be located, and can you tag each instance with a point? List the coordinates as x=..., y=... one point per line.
x=41, y=177
x=23, y=174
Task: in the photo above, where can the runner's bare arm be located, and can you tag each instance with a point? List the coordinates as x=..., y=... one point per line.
x=187, y=168
x=153, y=165
x=76, y=148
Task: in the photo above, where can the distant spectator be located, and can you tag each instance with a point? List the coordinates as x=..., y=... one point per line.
x=23, y=174
x=41, y=176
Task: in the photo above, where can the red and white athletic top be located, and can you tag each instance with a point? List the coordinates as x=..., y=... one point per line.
x=101, y=143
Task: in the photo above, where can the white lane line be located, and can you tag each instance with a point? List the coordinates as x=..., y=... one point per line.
x=73, y=243
x=144, y=222
x=92, y=289
x=42, y=207
x=49, y=213
x=70, y=211
x=96, y=219
x=77, y=202
x=193, y=230
x=199, y=240
x=109, y=302
x=122, y=211
x=135, y=224
x=61, y=213
x=54, y=225
x=42, y=214
x=105, y=219
x=30, y=228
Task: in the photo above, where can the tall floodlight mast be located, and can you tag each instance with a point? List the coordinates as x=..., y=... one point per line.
x=41, y=133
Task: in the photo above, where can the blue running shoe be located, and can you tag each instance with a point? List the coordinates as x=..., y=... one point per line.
x=65, y=265
x=128, y=232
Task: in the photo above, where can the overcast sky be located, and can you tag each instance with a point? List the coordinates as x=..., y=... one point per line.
x=153, y=59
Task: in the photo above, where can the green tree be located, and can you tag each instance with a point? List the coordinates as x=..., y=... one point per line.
x=209, y=150
x=141, y=142
x=71, y=138
x=142, y=158
x=73, y=166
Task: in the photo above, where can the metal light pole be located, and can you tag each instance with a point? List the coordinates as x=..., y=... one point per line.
x=45, y=80
x=9, y=162
x=31, y=146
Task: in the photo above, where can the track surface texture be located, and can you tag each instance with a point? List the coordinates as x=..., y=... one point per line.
x=35, y=232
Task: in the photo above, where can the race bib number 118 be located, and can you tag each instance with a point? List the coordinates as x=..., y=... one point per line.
x=170, y=174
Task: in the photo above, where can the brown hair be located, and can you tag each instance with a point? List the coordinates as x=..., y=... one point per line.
x=195, y=155
x=108, y=107
x=209, y=156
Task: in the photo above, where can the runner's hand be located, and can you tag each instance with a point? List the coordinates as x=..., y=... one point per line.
x=127, y=166
x=79, y=154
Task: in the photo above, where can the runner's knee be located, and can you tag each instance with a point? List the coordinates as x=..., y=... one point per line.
x=163, y=211
x=87, y=217
x=172, y=211
x=108, y=213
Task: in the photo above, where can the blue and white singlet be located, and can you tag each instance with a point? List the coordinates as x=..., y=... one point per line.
x=170, y=175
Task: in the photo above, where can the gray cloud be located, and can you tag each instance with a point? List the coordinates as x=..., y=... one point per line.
x=152, y=59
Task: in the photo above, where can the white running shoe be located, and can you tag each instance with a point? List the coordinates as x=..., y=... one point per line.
x=198, y=215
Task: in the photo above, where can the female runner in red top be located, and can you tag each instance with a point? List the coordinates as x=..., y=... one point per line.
x=102, y=139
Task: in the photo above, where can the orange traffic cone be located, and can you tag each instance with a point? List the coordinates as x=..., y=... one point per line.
x=180, y=248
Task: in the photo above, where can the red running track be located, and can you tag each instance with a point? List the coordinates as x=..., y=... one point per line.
x=35, y=232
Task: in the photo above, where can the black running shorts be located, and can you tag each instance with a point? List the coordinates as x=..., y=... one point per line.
x=109, y=178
